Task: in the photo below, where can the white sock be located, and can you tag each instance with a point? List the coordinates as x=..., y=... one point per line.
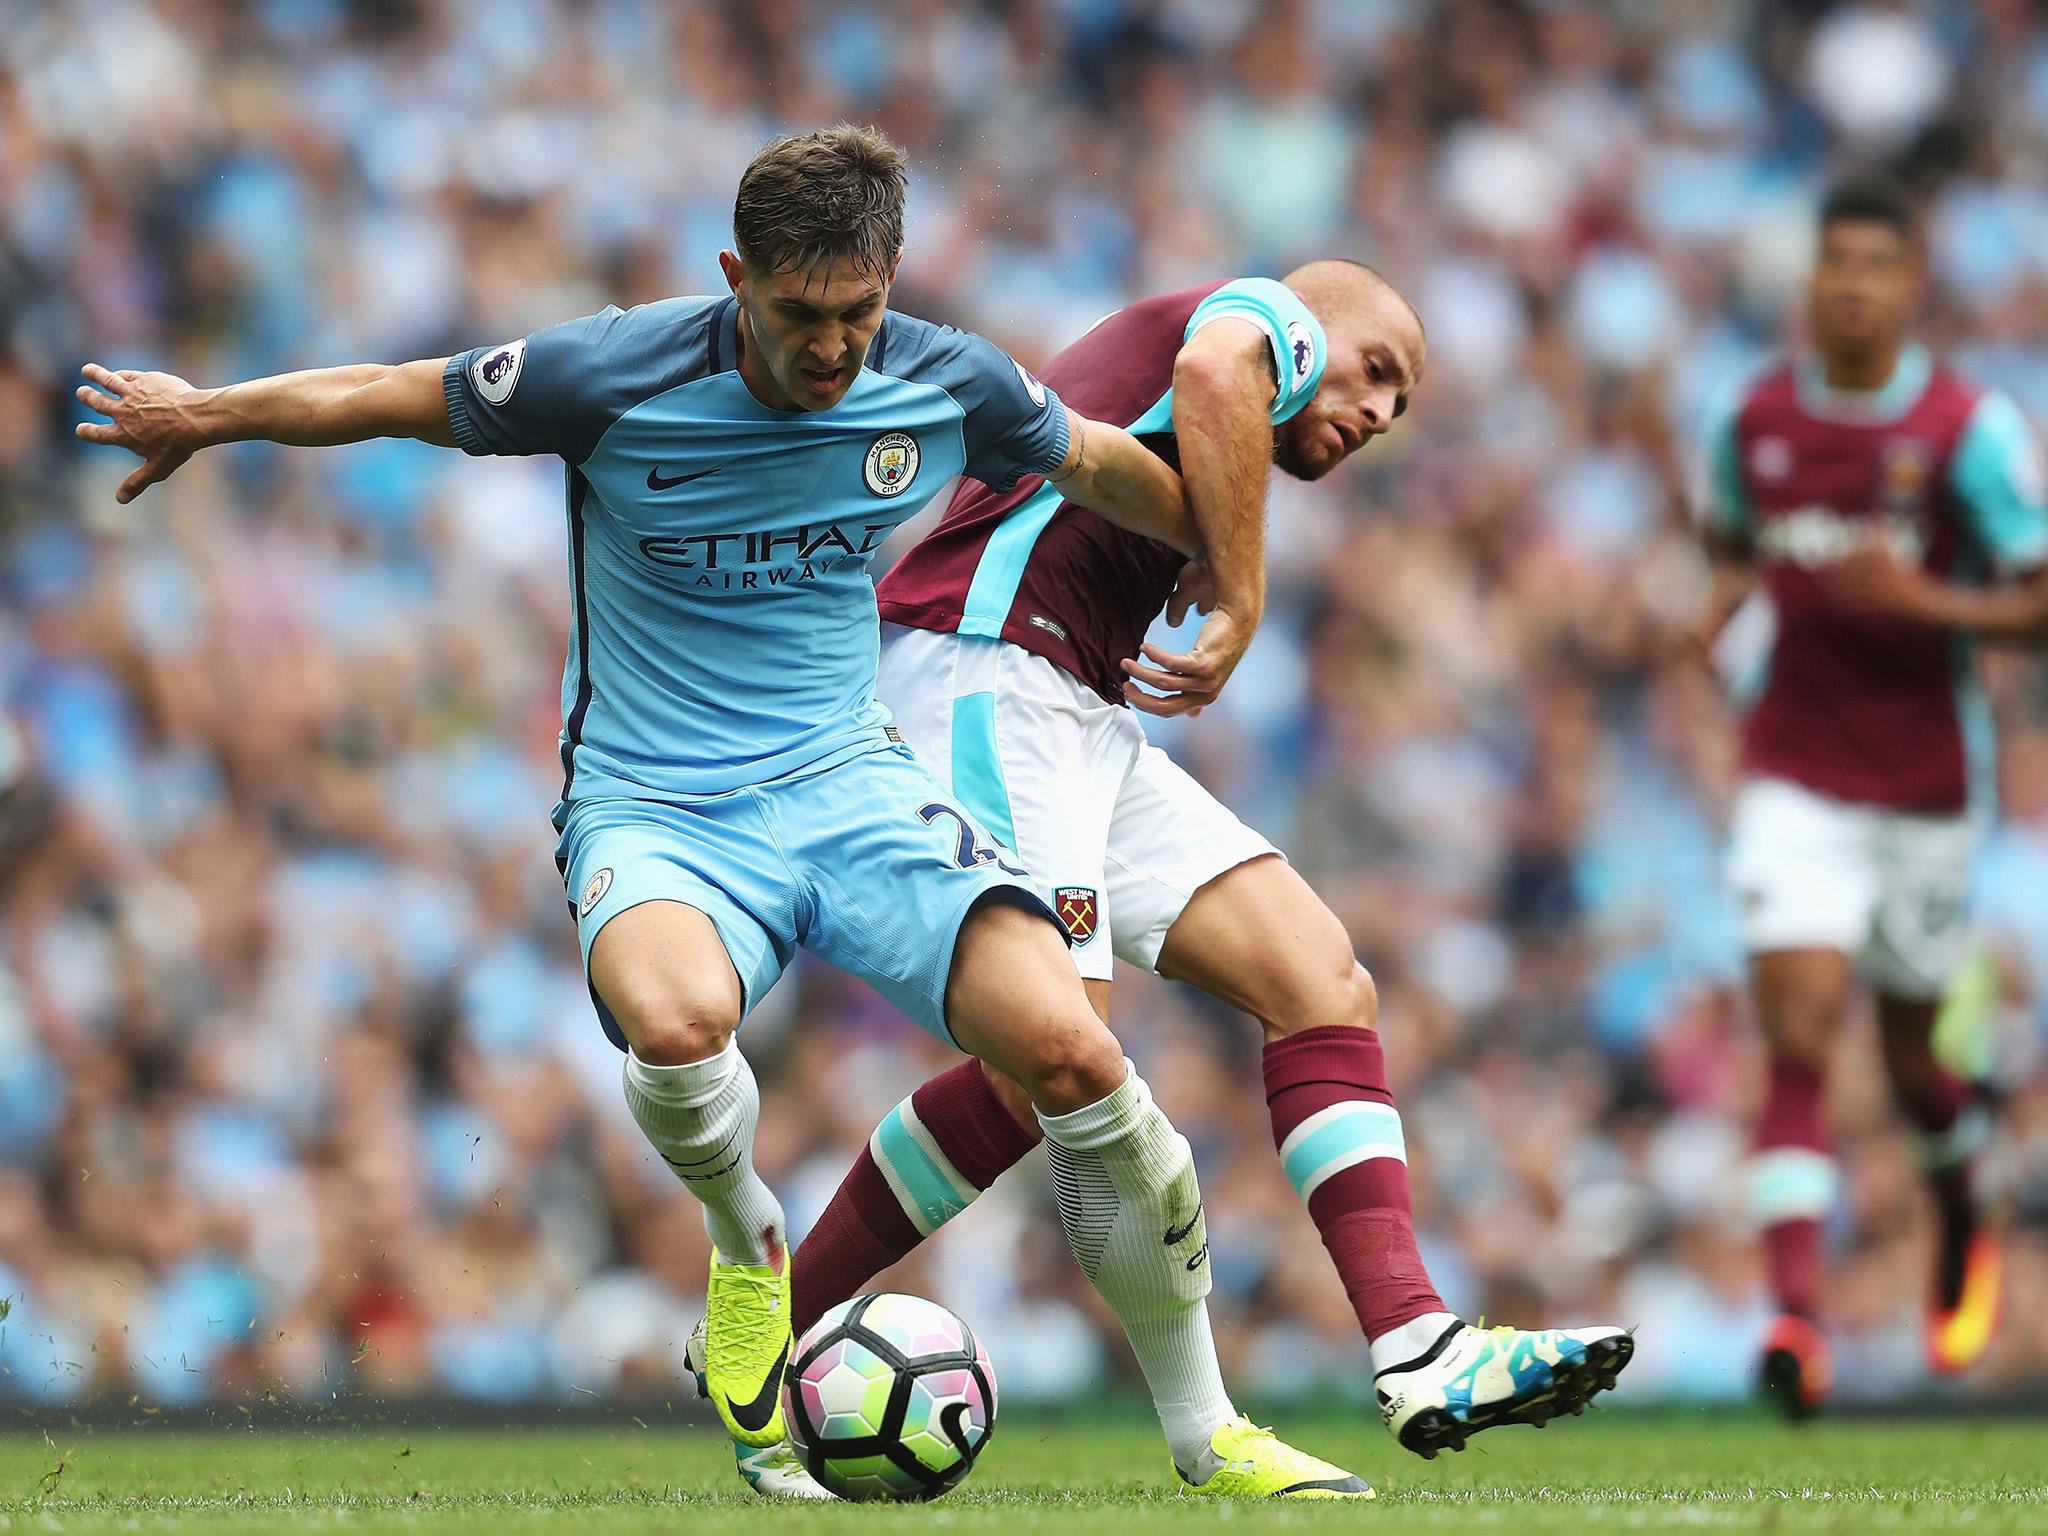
x=701, y=1117
x=1125, y=1179
x=1411, y=1341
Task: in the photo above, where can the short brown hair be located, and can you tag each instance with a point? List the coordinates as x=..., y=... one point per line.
x=813, y=199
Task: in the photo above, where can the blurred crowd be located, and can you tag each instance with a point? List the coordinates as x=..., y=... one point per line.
x=300, y=1090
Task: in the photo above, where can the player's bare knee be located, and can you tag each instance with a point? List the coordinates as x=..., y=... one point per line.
x=1800, y=1034
x=1356, y=1000
x=1801, y=1000
x=667, y=1025
x=1076, y=1065
x=1338, y=993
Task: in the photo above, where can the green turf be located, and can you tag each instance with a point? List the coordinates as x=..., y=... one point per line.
x=1676, y=1472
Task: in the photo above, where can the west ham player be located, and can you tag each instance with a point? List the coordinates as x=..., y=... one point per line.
x=1012, y=670
x=732, y=790
x=1871, y=490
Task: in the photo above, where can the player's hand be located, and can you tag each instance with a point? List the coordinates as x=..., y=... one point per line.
x=1189, y=681
x=1874, y=581
x=1691, y=646
x=149, y=414
x=1194, y=588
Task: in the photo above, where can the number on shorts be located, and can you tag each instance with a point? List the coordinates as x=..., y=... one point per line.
x=972, y=852
x=1939, y=911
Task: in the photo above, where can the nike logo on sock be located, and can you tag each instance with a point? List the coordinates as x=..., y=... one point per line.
x=754, y=1416
x=691, y=1171
x=1175, y=1234
x=681, y=1169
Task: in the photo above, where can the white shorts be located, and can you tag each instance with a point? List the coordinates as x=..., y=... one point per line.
x=1118, y=833
x=1888, y=888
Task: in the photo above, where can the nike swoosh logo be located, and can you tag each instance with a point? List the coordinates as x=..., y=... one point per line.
x=1175, y=1234
x=953, y=1422
x=682, y=1170
x=656, y=481
x=753, y=1417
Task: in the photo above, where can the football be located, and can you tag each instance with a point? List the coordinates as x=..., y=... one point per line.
x=889, y=1397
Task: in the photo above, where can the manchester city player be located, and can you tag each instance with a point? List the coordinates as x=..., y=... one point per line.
x=731, y=789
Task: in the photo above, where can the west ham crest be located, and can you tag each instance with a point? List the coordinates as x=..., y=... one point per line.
x=1075, y=905
x=1908, y=468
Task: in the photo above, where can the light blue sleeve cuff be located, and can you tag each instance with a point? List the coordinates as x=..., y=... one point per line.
x=1300, y=349
x=1724, y=499
x=1996, y=475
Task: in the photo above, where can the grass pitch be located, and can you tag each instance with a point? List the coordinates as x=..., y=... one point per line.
x=1633, y=1472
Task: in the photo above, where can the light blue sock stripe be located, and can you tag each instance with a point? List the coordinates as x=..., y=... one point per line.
x=1790, y=1183
x=912, y=1173
x=1360, y=1131
x=978, y=767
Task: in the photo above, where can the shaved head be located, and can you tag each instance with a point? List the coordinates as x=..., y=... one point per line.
x=1376, y=351
x=1335, y=284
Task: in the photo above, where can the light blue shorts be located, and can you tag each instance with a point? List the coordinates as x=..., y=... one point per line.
x=867, y=863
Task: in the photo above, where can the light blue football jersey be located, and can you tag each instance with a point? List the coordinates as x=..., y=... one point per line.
x=724, y=629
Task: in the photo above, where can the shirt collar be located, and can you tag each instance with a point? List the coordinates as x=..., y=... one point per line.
x=1888, y=402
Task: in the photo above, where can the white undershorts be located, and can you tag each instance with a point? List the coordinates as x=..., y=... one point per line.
x=1888, y=888
x=1118, y=833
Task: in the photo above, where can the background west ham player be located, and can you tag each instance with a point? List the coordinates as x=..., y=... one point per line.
x=1023, y=614
x=1864, y=484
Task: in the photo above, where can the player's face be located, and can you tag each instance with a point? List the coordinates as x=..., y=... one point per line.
x=1866, y=285
x=1376, y=357
x=809, y=332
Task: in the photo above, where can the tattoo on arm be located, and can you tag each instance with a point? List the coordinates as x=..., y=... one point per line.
x=1080, y=452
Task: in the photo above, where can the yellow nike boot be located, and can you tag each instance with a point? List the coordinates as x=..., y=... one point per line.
x=747, y=1344
x=1258, y=1464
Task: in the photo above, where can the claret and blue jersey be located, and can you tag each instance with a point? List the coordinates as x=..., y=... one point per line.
x=1029, y=567
x=725, y=629
x=1866, y=709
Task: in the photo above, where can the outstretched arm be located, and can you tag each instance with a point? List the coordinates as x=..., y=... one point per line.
x=1109, y=471
x=164, y=420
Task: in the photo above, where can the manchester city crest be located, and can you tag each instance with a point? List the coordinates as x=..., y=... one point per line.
x=891, y=464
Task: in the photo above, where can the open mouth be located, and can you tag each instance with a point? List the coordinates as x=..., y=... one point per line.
x=821, y=383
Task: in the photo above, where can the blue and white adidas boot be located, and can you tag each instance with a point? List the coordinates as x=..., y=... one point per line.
x=773, y=1471
x=1479, y=1378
